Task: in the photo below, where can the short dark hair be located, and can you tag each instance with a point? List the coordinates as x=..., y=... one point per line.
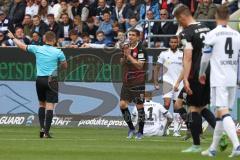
x=182, y=9
x=37, y=16
x=134, y=17
x=28, y=15
x=73, y=32
x=100, y=32
x=85, y=34
x=135, y=31
x=174, y=37
x=50, y=36
x=50, y=15
x=222, y=12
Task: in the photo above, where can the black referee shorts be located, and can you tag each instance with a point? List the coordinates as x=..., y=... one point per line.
x=133, y=94
x=47, y=89
x=201, y=94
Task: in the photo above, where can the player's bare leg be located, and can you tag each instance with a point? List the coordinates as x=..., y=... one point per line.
x=224, y=123
x=127, y=117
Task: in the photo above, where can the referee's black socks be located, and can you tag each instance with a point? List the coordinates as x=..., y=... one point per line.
x=127, y=117
x=209, y=116
x=195, y=125
x=41, y=116
x=141, y=119
x=49, y=117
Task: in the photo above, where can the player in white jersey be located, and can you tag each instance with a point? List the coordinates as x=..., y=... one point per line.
x=171, y=61
x=157, y=118
x=221, y=48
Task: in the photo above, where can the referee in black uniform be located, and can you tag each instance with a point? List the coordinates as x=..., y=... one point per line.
x=47, y=59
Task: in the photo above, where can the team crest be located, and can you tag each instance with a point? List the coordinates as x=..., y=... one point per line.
x=134, y=54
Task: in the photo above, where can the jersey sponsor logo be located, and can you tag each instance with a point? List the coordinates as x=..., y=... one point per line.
x=140, y=55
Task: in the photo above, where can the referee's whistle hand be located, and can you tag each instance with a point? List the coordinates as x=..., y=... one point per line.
x=202, y=79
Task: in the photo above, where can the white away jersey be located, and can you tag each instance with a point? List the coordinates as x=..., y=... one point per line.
x=155, y=118
x=224, y=43
x=172, y=62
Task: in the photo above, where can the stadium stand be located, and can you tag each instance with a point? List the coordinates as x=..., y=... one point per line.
x=87, y=16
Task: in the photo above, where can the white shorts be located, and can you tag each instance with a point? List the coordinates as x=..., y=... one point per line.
x=171, y=94
x=223, y=96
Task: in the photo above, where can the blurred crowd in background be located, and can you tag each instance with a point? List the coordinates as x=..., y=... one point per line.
x=79, y=23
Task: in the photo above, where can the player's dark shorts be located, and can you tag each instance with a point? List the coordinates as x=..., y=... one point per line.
x=133, y=94
x=201, y=94
x=47, y=89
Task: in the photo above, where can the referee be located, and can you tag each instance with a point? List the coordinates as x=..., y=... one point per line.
x=47, y=58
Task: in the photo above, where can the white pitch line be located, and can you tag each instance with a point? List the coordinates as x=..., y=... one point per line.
x=42, y=139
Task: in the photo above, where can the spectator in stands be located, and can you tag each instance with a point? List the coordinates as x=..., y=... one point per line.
x=134, y=23
x=172, y=7
x=119, y=14
x=32, y=8
x=5, y=4
x=106, y=26
x=64, y=28
x=36, y=39
x=133, y=9
x=64, y=9
x=19, y=34
x=98, y=12
x=17, y=12
x=205, y=10
x=164, y=4
x=39, y=26
x=78, y=24
x=192, y=4
x=86, y=39
x=2, y=38
x=52, y=24
x=76, y=41
x=121, y=39
x=44, y=10
x=166, y=28
x=149, y=5
x=5, y=23
x=145, y=26
x=101, y=39
x=91, y=29
x=76, y=8
x=85, y=11
x=115, y=31
x=27, y=25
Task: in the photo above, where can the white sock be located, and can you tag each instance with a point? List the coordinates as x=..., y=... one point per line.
x=217, y=135
x=230, y=129
x=176, y=124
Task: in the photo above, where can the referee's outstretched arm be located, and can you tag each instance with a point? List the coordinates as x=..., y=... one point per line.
x=20, y=44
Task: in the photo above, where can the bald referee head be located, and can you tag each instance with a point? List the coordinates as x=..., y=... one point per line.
x=47, y=60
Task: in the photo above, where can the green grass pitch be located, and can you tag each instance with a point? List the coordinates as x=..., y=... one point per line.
x=22, y=143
